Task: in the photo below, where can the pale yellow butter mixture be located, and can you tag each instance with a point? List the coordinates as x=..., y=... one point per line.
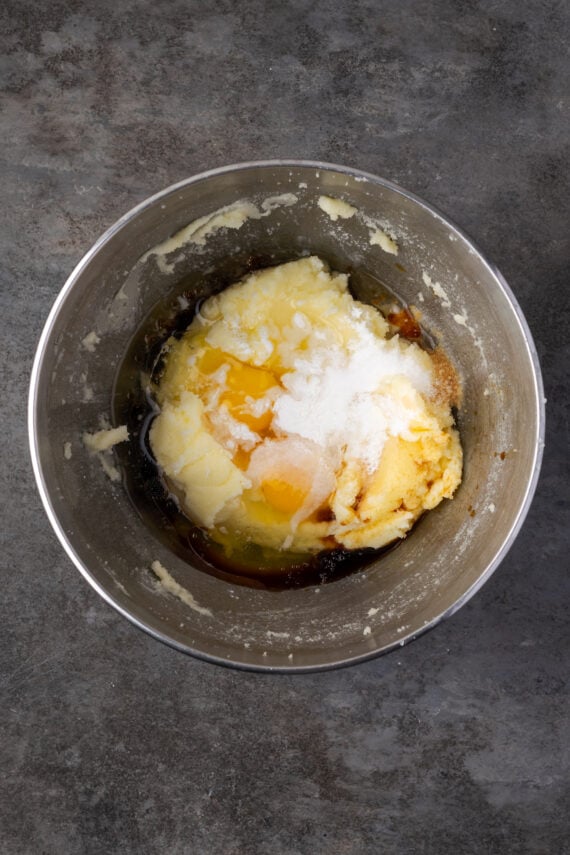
x=291, y=416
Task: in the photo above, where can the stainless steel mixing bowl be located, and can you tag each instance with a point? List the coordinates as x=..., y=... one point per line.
x=468, y=307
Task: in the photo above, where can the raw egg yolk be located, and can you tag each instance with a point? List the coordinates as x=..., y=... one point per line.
x=242, y=382
x=283, y=496
x=212, y=359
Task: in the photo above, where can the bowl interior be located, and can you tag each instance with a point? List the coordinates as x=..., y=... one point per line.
x=466, y=307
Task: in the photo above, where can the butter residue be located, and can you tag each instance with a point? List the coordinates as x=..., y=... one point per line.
x=437, y=290
x=100, y=444
x=103, y=440
x=335, y=208
x=460, y=318
x=170, y=585
x=283, y=200
x=378, y=237
x=109, y=468
x=229, y=217
x=67, y=452
x=90, y=341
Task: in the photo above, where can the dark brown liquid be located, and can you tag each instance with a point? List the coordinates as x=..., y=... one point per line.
x=156, y=504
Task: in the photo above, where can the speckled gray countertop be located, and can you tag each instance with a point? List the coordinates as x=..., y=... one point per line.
x=114, y=743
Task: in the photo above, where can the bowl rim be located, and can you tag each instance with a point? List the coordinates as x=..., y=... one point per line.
x=34, y=391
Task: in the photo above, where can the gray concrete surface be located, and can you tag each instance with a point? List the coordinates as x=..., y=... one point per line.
x=113, y=743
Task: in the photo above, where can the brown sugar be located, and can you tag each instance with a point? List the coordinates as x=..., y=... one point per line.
x=447, y=384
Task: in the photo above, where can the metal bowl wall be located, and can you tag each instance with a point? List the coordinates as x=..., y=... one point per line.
x=454, y=549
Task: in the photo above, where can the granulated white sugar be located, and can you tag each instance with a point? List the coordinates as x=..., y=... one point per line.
x=339, y=399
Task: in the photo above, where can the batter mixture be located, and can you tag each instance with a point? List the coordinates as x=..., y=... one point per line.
x=293, y=417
